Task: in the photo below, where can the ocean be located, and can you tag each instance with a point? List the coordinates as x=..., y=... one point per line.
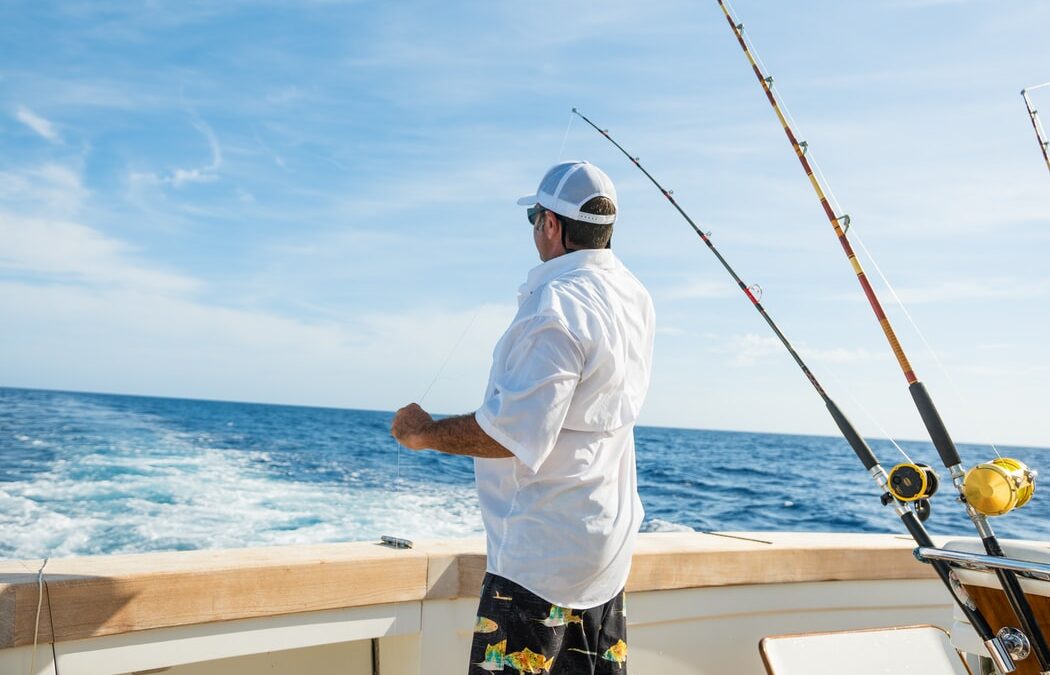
x=92, y=474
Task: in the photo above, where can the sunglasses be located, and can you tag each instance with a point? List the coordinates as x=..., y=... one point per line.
x=534, y=213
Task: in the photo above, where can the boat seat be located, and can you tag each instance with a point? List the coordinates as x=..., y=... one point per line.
x=922, y=650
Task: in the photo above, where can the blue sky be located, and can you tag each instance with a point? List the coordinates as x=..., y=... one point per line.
x=313, y=202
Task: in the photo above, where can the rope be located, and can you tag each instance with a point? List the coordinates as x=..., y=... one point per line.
x=39, y=604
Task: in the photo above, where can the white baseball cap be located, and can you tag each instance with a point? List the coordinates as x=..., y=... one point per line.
x=568, y=186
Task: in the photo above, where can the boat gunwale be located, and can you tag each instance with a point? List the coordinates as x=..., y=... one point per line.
x=108, y=595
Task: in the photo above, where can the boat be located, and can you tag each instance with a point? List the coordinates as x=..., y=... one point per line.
x=699, y=603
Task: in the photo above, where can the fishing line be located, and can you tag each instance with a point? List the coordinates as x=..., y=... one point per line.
x=908, y=487
x=833, y=200
x=734, y=536
x=450, y=353
x=433, y=381
x=984, y=475
x=851, y=435
x=836, y=205
x=856, y=442
x=915, y=326
x=568, y=126
x=871, y=418
x=804, y=148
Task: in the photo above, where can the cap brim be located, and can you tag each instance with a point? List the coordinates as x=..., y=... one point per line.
x=529, y=200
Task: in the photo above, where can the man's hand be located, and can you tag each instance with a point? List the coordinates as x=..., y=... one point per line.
x=410, y=426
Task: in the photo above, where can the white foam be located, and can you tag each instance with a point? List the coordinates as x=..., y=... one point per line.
x=659, y=525
x=178, y=495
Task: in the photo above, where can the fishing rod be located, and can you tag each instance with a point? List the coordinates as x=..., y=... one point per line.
x=1033, y=114
x=908, y=486
x=1011, y=477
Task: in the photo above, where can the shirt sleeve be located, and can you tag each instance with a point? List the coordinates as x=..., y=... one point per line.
x=531, y=391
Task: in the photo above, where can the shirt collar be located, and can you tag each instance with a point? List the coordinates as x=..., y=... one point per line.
x=598, y=258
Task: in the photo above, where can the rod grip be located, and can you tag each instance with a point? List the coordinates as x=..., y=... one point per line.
x=934, y=425
x=860, y=447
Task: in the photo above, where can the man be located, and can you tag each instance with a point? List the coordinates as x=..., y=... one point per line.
x=554, y=442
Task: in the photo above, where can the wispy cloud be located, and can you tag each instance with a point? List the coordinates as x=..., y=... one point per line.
x=840, y=355
x=44, y=242
x=51, y=188
x=43, y=127
x=180, y=344
x=697, y=289
x=206, y=173
x=750, y=350
x=968, y=291
x=284, y=95
x=920, y=4
x=202, y=174
x=68, y=252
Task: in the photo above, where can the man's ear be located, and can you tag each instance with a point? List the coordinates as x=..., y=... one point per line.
x=552, y=219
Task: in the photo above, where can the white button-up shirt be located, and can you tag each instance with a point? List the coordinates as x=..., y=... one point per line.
x=567, y=383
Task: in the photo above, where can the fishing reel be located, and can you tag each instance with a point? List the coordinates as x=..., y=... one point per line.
x=914, y=484
x=999, y=486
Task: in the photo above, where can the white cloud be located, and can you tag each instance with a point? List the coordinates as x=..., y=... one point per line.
x=698, y=288
x=68, y=252
x=206, y=173
x=440, y=185
x=179, y=176
x=52, y=246
x=967, y=291
x=41, y=126
x=117, y=338
x=51, y=189
x=289, y=94
x=922, y=4
x=750, y=349
x=839, y=355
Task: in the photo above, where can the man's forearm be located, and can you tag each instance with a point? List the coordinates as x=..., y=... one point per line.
x=461, y=435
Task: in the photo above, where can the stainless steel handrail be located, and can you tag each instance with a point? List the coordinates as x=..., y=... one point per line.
x=981, y=563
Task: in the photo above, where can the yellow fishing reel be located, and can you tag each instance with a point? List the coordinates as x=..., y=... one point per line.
x=912, y=482
x=999, y=486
